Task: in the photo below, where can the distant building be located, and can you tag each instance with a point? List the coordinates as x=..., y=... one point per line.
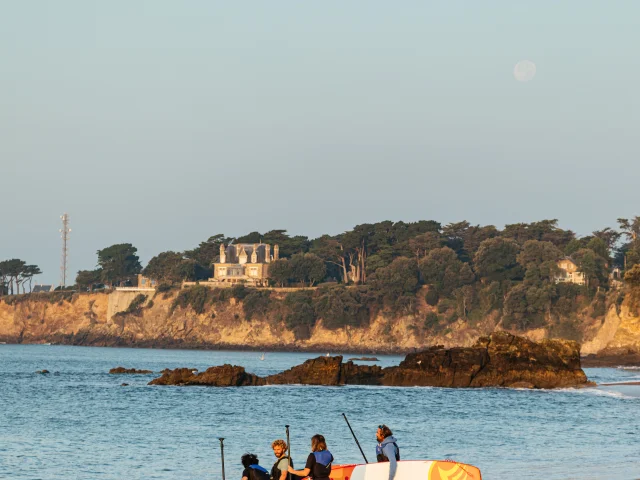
x=569, y=272
x=616, y=277
x=43, y=288
x=146, y=282
x=244, y=263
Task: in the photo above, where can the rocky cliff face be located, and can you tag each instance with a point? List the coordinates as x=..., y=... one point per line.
x=83, y=319
x=501, y=360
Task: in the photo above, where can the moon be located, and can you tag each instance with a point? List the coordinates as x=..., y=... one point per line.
x=524, y=70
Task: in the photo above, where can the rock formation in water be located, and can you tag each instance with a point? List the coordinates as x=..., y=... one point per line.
x=221, y=376
x=122, y=370
x=501, y=360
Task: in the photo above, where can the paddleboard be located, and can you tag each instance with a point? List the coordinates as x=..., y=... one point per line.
x=408, y=470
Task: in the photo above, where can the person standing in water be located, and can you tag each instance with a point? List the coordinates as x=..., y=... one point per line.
x=387, y=449
x=319, y=461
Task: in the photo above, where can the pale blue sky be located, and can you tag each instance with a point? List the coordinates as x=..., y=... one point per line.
x=161, y=123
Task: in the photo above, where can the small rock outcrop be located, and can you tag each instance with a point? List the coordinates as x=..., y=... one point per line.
x=42, y=372
x=365, y=359
x=127, y=371
x=222, y=376
x=501, y=360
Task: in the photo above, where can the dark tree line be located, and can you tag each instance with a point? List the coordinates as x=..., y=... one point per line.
x=16, y=274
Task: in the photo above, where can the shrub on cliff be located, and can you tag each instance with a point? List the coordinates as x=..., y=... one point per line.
x=525, y=307
x=135, y=307
x=632, y=276
x=301, y=316
x=256, y=302
x=339, y=307
x=197, y=297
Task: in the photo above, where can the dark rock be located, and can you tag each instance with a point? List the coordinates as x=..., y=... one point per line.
x=514, y=360
x=124, y=384
x=222, y=376
x=42, y=372
x=317, y=371
x=365, y=359
x=501, y=360
x=122, y=370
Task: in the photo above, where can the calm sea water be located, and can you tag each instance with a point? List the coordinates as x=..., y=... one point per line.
x=79, y=423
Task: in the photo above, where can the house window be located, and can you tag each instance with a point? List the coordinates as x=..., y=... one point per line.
x=144, y=281
x=222, y=271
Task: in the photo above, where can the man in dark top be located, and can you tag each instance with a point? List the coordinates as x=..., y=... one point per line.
x=253, y=471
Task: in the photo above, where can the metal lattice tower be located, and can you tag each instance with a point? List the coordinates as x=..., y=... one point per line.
x=64, y=234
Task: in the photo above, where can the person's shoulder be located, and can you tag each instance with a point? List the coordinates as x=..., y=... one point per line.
x=283, y=462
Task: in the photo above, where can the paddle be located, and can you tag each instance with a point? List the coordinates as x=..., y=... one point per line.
x=288, y=451
x=355, y=438
x=222, y=455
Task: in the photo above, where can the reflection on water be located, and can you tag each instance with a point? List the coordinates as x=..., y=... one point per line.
x=78, y=422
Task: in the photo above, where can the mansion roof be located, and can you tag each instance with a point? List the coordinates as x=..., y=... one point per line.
x=232, y=252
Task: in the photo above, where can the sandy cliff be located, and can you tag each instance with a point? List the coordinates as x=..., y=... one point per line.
x=88, y=319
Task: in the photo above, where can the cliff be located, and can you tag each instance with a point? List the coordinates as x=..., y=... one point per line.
x=163, y=320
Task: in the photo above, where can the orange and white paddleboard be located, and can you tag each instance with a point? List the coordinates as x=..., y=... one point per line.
x=408, y=470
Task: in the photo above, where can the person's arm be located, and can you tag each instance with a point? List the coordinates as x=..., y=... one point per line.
x=307, y=468
x=301, y=473
x=245, y=478
x=284, y=471
x=390, y=452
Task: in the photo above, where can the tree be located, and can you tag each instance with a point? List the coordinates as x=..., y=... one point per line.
x=15, y=273
x=400, y=279
x=631, y=231
x=119, y=263
x=592, y=265
x=610, y=237
x=280, y=272
x=170, y=267
x=208, y=251
x=442, y=269
x=632, y=276
x=287, y=245
x=496, y=260
x=306, y=268
x=525, y=306
x=422, y=244
x=331, y=251
x=28, y=272
x=544, y=230
x=540, y=259
x=88, y=279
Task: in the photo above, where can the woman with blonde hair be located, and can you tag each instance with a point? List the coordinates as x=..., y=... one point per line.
x=319, y=461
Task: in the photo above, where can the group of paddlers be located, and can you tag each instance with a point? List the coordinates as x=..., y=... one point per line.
x=318, y=465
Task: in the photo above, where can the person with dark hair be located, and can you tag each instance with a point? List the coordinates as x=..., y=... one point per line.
x=319, y=461
x=387, y=449
x=253, y=471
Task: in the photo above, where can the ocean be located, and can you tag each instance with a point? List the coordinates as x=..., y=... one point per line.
x=78, y=422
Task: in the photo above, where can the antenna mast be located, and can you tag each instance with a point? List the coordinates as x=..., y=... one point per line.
x=64, y=231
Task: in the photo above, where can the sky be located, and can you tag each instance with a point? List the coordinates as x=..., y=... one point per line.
x=161, y=123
